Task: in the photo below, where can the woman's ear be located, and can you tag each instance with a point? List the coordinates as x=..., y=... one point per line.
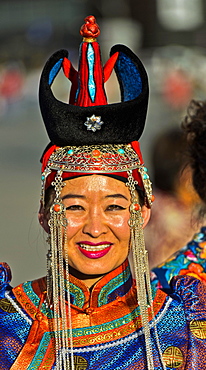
x=43, y=219
x=146, y=213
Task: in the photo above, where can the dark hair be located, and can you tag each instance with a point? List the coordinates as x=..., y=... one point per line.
x=194, y=127
x=167, y=158
x=49, y=198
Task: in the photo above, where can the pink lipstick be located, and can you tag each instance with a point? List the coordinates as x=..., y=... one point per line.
x=94, y=251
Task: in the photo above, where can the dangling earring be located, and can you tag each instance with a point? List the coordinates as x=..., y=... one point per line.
x=49, y=271
x=141, y=270
x=58, y=280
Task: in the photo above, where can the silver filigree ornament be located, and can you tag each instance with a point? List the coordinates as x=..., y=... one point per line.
x=104, y=158
x=93, y=123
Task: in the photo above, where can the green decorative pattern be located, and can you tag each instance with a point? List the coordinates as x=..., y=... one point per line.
x=77, y=295
x=112, y=285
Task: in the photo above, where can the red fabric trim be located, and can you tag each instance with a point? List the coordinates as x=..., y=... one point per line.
x=100, y=98
x=109, y=66
x=67, y=175
x=66, y=65
x=136, y=146
x=46, y=156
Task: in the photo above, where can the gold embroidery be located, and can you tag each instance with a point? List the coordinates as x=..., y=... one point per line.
x=103, y=337
x=198, y=328
x=80, y=363
x=29, y=307
x=7, y=306
x=173, y=357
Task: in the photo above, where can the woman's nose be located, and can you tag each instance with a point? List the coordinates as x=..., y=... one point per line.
x=95, y=224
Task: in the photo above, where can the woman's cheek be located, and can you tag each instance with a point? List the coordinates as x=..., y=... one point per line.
x=120, y=221
x=74, y=218
x=120, y=228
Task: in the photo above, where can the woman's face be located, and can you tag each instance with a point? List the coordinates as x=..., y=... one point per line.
x=98, y=234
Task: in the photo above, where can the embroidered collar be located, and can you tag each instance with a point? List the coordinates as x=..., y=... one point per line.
x=116, y=283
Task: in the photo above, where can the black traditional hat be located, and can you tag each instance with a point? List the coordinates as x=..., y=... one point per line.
x=88, y=119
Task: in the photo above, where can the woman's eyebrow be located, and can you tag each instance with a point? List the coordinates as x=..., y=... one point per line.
x=116, y=196
x=70, y=196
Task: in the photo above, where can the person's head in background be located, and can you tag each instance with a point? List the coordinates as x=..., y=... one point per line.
x=173, y=219
x=171, y=174
x=194, y=128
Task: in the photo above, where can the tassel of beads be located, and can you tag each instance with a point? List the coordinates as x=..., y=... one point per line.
x=141, y=272
x=59, y=281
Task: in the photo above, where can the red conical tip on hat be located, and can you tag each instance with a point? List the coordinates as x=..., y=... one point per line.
x=90, y=90
x=90, y=28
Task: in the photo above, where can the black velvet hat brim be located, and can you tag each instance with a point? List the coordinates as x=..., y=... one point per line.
x=123, y=122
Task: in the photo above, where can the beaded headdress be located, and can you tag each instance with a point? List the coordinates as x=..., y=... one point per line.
x=90, y=136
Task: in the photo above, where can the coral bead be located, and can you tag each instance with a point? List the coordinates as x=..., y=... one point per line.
x=57, y=208
x=136, y=207
x=153, y=198
x=96, y=153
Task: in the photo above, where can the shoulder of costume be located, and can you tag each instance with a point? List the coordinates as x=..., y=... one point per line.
x=14, y=320
x=192, y=292
x=5, y=279
x=23, y=299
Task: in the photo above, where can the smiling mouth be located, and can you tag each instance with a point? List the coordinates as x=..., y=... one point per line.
x=94, y=248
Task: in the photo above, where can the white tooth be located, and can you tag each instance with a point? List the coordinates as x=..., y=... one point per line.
x=92, y=248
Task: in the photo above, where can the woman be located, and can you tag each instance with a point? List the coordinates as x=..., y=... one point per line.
x=89, y=313
x=191, y=259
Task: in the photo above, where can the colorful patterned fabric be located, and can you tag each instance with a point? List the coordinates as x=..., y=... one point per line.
x=107, y=330
x=190, y=260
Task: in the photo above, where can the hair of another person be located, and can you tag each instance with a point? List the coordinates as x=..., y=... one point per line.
x=194, y=127
x=167, y=158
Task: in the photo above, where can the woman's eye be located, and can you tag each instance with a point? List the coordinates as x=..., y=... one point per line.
x=115, y=207
x=75, y=207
